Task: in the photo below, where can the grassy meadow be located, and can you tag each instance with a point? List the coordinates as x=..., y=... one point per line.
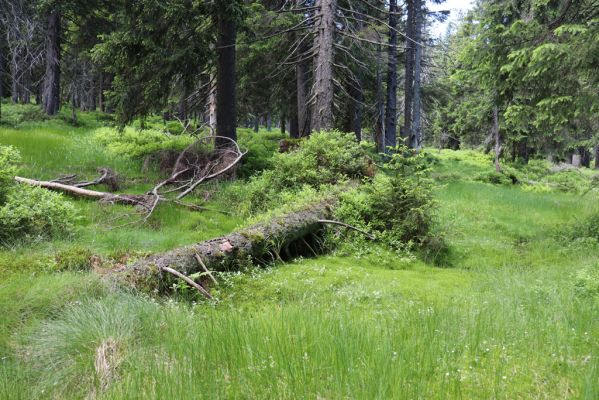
x=512, y=315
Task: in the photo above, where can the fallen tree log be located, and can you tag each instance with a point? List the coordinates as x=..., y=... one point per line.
x=283, y=236
x=129, y=199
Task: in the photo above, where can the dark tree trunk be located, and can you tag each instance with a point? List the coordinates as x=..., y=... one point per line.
x=416, y=136
x=226, y=117
x=14, y=85
x=323, y=95
x=585, y=157
x=101, y=91
x=597, y=156
x=302, y=72
x=294, y=131
x=379, y=126
x=51, y=97
x=357, y=125
x=283, y=123
x=409, y=67
x=497, y=138
x=256, y=123
x=391, y=112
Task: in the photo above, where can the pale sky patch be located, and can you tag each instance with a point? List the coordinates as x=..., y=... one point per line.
x=456, y=8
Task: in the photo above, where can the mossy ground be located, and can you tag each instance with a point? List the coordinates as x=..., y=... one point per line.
x=501, y=320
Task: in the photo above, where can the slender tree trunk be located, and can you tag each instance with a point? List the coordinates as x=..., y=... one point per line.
x=226, y=117
x=497, y=137
x=51, y=97
x=597, y=156
x=416, y=138
x=409, y=67
x=212, y=105
x=391, y=113
x=323, y=95
x=379, y=126
x=101, y=91
x=357, y=123
x=302, y=71
x=283, y=123
x=256, y=123
x=73, y=105
x=294, y=131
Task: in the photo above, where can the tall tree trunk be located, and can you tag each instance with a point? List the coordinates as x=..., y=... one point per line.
x=51, y=97
x=283, y=123
x=416, y=136
x=212, y=105
x=256, y=123
x=302, y=71
x=409, y=67
x=497, y=137
x=391, y=113
x=322, y=113
x=294, y=131
x=226, y=117
x=597, y=156
x=14, y=84
x=357, y=123
x=101, y=91
x=379, y=125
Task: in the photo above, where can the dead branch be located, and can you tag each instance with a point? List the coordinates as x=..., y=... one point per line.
x=189, y=171
x=129, y=199
x=189, y=281
x=206, y=270
x=328, y=221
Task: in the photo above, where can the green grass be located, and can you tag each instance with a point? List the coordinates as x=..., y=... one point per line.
x=503, y=321
x=52, y=148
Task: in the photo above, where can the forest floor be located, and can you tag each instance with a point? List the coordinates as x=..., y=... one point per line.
x=504, y=320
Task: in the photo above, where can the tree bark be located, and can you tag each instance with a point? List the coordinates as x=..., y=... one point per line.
x=497, y=137
x=379, y=126
x=294, y=131
x=391, y=112
x=416, y=136
x=51, y=96
x=226, y=117
x=302, y=72
x=409, y=68
x=597, y=156
x=263, y=243
x=357, y=122
x=323, y=95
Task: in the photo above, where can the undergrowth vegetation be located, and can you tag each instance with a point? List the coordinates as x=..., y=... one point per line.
x=29, y=213
x=514, y=316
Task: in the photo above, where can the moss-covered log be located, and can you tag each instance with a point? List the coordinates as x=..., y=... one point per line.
x=280, y=237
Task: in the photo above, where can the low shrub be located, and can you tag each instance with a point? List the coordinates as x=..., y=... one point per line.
x=397, y=206
x=262, y=147
x=32, y=213
x=29, y=213
x=15, y=114
x=9, y=157
x=496, y=178
x=587, y=282
x=74, y=259
x=137, y=143
x=323, y=159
